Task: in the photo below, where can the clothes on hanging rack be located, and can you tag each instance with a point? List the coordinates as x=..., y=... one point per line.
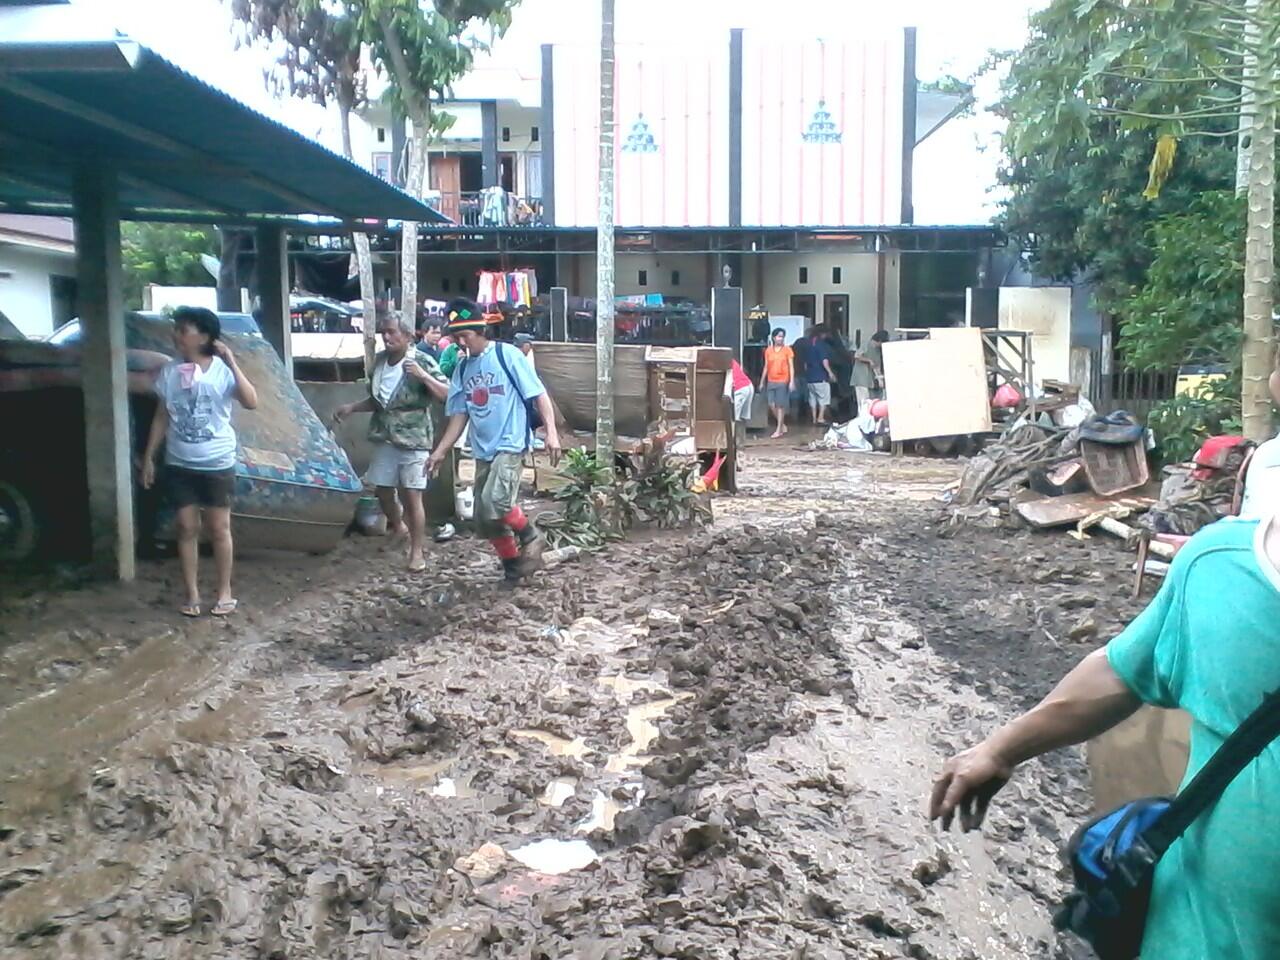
x=518, y=287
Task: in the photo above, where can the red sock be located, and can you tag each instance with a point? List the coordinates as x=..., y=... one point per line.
x=505, y=547
x=515, y=519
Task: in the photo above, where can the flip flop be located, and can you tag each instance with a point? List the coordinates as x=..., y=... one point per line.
x=190, y=610
x=224, y=608
x=418, y=567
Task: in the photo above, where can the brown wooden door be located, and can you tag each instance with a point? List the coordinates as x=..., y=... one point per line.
x=835, y=312
x=445, y=175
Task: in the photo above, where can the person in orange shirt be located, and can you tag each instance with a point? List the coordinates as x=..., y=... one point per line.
x=779, y=378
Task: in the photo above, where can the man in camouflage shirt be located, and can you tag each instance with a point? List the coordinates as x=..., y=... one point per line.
x=402, y=388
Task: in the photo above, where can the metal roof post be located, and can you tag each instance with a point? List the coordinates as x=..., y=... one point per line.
x=104, y=370
x=270, y=245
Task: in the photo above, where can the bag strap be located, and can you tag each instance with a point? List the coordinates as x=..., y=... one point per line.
x=500, y=348
x=1240, y=749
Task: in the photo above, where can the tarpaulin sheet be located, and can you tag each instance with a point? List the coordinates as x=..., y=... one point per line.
x=569, y=372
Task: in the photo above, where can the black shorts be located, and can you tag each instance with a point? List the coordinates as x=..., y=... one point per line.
x=200, y=488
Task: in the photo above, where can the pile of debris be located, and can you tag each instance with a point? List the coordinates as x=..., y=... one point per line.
x=1057, y=476
x=1095, y=475
x=1025, y=454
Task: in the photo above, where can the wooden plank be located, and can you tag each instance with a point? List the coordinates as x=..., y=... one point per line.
x=1047, y=512
x=937, y=387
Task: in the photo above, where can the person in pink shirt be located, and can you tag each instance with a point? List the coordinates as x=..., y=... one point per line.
x=739, y=388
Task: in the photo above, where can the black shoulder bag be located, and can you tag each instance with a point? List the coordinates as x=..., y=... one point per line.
x=1113, y=857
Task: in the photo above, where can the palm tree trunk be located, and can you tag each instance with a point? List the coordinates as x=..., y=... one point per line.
x=409, y=229
x=1259, y=257
x=364, y=260
x=604, y=247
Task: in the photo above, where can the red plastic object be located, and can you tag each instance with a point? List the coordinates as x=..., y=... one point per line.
x=1006, y=397
x=712, y=477
x=880, y=409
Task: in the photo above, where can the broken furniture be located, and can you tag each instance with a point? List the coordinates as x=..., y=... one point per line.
x=569, y=372
x=1174, y=542
x=686, y=399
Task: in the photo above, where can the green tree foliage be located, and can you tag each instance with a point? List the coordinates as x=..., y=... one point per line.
x=1188, y=308
x=167, y=254
x=1075, y=165
x=1102, y=84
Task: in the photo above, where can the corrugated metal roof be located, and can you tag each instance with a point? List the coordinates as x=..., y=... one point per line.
x=181, y=147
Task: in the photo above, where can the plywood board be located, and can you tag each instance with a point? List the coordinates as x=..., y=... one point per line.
x=937, y=387
x=1074, y=507
x=1044, y=312
x=1143, y=756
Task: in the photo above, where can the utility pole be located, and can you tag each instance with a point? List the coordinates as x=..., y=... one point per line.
x=604, y=248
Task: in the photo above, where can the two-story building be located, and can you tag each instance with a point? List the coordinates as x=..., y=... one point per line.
x=784, y=166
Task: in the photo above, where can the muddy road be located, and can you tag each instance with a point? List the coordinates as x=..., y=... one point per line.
x=703, y=746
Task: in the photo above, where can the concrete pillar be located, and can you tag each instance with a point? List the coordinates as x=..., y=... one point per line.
x=489, y=169
x=103, y=370
x=559, y=314
x=735, y=131
x=547, y=135
x=726, y=319
x=273, y=290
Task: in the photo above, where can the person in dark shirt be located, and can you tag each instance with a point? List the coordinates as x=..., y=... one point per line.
x=430, y=332
x=818, y=375
x=842, y=404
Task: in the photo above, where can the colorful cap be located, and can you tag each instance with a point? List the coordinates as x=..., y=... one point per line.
x=462, y=314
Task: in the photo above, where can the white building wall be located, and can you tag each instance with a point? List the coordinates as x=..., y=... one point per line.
x=780, y=273
x=25, y=295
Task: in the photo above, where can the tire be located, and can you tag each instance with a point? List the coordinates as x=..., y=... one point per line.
x=19, y=524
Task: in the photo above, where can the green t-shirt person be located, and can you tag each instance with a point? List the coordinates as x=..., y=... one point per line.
x=1210, y=644
x=449, y=359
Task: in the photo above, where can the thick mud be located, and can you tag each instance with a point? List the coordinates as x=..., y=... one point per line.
x=701, y=746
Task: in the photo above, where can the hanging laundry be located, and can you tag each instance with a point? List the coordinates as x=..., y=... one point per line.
x=517, y=287
x=493, y=207
x=492, y=287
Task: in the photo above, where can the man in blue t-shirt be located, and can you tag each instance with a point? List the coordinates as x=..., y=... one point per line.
x=1208, y=644
x=489, y=391
x=817, y=372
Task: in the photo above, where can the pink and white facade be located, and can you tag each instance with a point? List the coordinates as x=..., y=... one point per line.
x=814, y=129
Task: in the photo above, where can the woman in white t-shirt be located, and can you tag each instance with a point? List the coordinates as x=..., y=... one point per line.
x=193, y=421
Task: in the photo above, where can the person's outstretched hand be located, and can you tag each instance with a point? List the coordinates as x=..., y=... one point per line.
x=967, y=783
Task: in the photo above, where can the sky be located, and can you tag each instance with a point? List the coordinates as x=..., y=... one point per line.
x=955, y=168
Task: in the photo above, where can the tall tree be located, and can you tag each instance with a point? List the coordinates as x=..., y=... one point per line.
x=604, y=246
x=1176, y=72
x=320, y=61
x=423, y=50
